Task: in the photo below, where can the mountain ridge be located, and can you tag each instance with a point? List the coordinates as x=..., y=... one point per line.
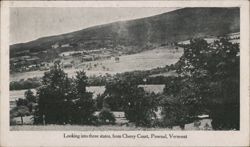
x=177, y=25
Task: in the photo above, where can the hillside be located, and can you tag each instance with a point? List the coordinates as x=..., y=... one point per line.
x=142, y=33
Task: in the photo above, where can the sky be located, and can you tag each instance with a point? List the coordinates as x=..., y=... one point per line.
x=27, y=24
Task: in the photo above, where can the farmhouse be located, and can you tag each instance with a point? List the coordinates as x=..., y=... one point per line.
x=65, y=45
x=54, y=46
x=68, y=65
x=97, y=51
x=87, y=58
x=157, y=89
x=32, y=59
x=233, y=35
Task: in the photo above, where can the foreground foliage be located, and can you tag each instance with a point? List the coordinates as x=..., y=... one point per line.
x=106, y=116
x=208, y=84
x=63, y=100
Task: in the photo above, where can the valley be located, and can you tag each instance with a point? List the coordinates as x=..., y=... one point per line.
x=152, y=73
x=158, y=57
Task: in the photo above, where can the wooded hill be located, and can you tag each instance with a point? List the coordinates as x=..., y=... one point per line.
x=178, y=25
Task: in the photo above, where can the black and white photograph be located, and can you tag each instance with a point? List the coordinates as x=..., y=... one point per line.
x=124, y=73
x=124, y=69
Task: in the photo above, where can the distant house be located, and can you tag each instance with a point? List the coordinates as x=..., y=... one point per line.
x=157, y=89
x=65, y=45
x=96, y=51
x=117, y=114
x=184, y=42
x=54, y=46
x=68, y=65
x=117, y=59
x=87, y=58
x=24, y=57
x=81, y=44
x=233, y=35
x=105, y=56
x=32, y=59
x=30, y=66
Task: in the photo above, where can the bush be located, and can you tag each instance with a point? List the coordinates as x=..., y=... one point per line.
x=29, y=95
x=19, y=111
x=106, y=116
x=22, y=102
x=25, y=84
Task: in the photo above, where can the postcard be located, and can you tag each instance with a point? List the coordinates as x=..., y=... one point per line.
x=124, y=73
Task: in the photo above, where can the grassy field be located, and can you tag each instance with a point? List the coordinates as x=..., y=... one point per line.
x=158, y=57
x=15, y=94
x=153, y=88
x=204, y=125
x=82, y=128
x=166, y=74
x=142, y=61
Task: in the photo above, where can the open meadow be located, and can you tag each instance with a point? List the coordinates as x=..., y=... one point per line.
x=146, y=60
x=204, y=125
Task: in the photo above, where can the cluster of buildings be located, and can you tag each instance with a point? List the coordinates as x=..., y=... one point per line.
x=27, y=63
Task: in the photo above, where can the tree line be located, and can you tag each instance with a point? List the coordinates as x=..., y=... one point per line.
x=142, y=77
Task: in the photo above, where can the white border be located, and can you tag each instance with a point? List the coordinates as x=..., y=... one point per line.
x=195, y=138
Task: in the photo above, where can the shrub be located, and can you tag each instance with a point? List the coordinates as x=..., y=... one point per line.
x=19, y=111
x=106, y=116
x=25, y=84
x=29, y=95
x=22, y=102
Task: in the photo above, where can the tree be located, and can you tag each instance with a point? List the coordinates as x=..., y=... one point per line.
x=176, y=109
x=81, y=82
x=115, y=90
x=29, y=95
x=139, y=106
x=54, y=97
x=84, y=104
x=20, y=111
x=64, y=100
x=212, y=71
x=99, y=101
x=22, y=102
x=173, y=112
